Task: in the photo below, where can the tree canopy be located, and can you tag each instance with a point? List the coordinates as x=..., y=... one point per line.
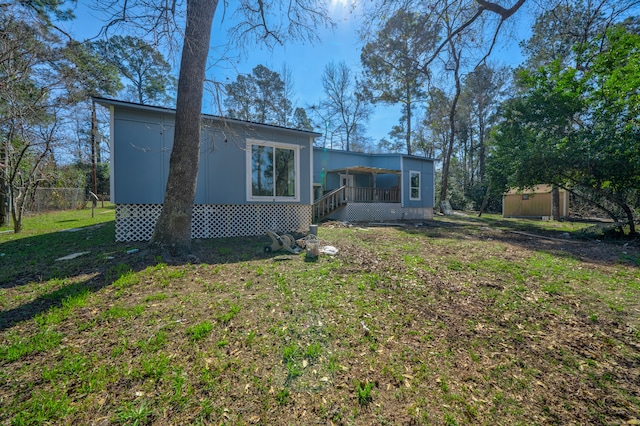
x=392, y=61
x=346, y=105
x=578, y=129
x=147, y=73
x=259, y=96
x=43, y=75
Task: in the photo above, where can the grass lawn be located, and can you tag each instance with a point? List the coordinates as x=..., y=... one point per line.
x=460, y=321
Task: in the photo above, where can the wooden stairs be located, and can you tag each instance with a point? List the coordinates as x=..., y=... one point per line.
x=329, y=203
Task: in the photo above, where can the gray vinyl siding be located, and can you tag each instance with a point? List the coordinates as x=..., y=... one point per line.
x=386, y=161
x=142, y=140
x=140, y=158
x=328, y=159
x=417, y=164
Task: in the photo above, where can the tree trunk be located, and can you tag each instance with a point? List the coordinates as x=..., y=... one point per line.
x=17, y=209
x=409, y=112
x=446, y=161
x=4, y=192
x=485, y=200
x=629, y=213
x=555, y=203
x=482, y=154
x=173, y=228
x=4, y=217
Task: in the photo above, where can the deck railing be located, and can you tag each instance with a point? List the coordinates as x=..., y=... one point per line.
x=338, y=198
x=373, y=195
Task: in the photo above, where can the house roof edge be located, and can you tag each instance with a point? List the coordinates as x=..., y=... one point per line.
x=114, y=102
x=398, y=154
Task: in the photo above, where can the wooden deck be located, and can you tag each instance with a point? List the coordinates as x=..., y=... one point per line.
x=338, y=198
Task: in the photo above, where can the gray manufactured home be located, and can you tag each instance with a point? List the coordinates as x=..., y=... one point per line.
x=359, y=187
x=252, y=177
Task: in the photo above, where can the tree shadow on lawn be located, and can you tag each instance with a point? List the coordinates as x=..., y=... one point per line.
x=36, y=258
x=531, y=236
x=45, y=302
x=24, y=260
x=33, y=260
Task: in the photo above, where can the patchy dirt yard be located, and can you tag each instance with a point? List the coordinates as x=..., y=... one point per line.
x=455, y=321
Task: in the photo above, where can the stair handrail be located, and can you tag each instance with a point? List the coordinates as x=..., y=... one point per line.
x=335, y=191
x=318, y=207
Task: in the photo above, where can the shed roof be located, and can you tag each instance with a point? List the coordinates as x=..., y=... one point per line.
x=537, y=189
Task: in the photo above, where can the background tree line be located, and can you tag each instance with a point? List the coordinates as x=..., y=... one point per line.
x=47, y=80
x=471, y=114
x=564, y=117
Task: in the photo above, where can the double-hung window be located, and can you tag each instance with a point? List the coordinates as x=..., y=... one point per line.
x=274, y=171
x=414, y=185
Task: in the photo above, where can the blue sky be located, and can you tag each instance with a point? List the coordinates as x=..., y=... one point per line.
x=306, y=61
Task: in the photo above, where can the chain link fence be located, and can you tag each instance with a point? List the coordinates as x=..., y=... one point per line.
x=49, y=199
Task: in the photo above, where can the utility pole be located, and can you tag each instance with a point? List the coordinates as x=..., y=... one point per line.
x=93, y=145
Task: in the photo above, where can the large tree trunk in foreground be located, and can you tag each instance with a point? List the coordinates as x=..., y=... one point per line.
x=173, y=229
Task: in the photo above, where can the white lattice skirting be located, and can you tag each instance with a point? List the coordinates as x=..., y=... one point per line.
x=370, y=212
x=135, y=222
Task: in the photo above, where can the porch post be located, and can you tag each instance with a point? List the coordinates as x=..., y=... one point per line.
x=375, y=193
x=348, y=191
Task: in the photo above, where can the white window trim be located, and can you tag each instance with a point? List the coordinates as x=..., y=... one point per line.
x=296, y=160
x=411, y=173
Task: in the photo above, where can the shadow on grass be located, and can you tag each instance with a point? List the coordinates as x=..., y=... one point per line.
x=44, y=303
x=535, y=236
x=33, y=260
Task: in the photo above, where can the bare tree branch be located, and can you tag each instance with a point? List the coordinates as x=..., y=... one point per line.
x=494, y=40
x=483, y=6
x=500, y=10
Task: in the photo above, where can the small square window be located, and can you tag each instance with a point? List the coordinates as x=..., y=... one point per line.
x=525, y=196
